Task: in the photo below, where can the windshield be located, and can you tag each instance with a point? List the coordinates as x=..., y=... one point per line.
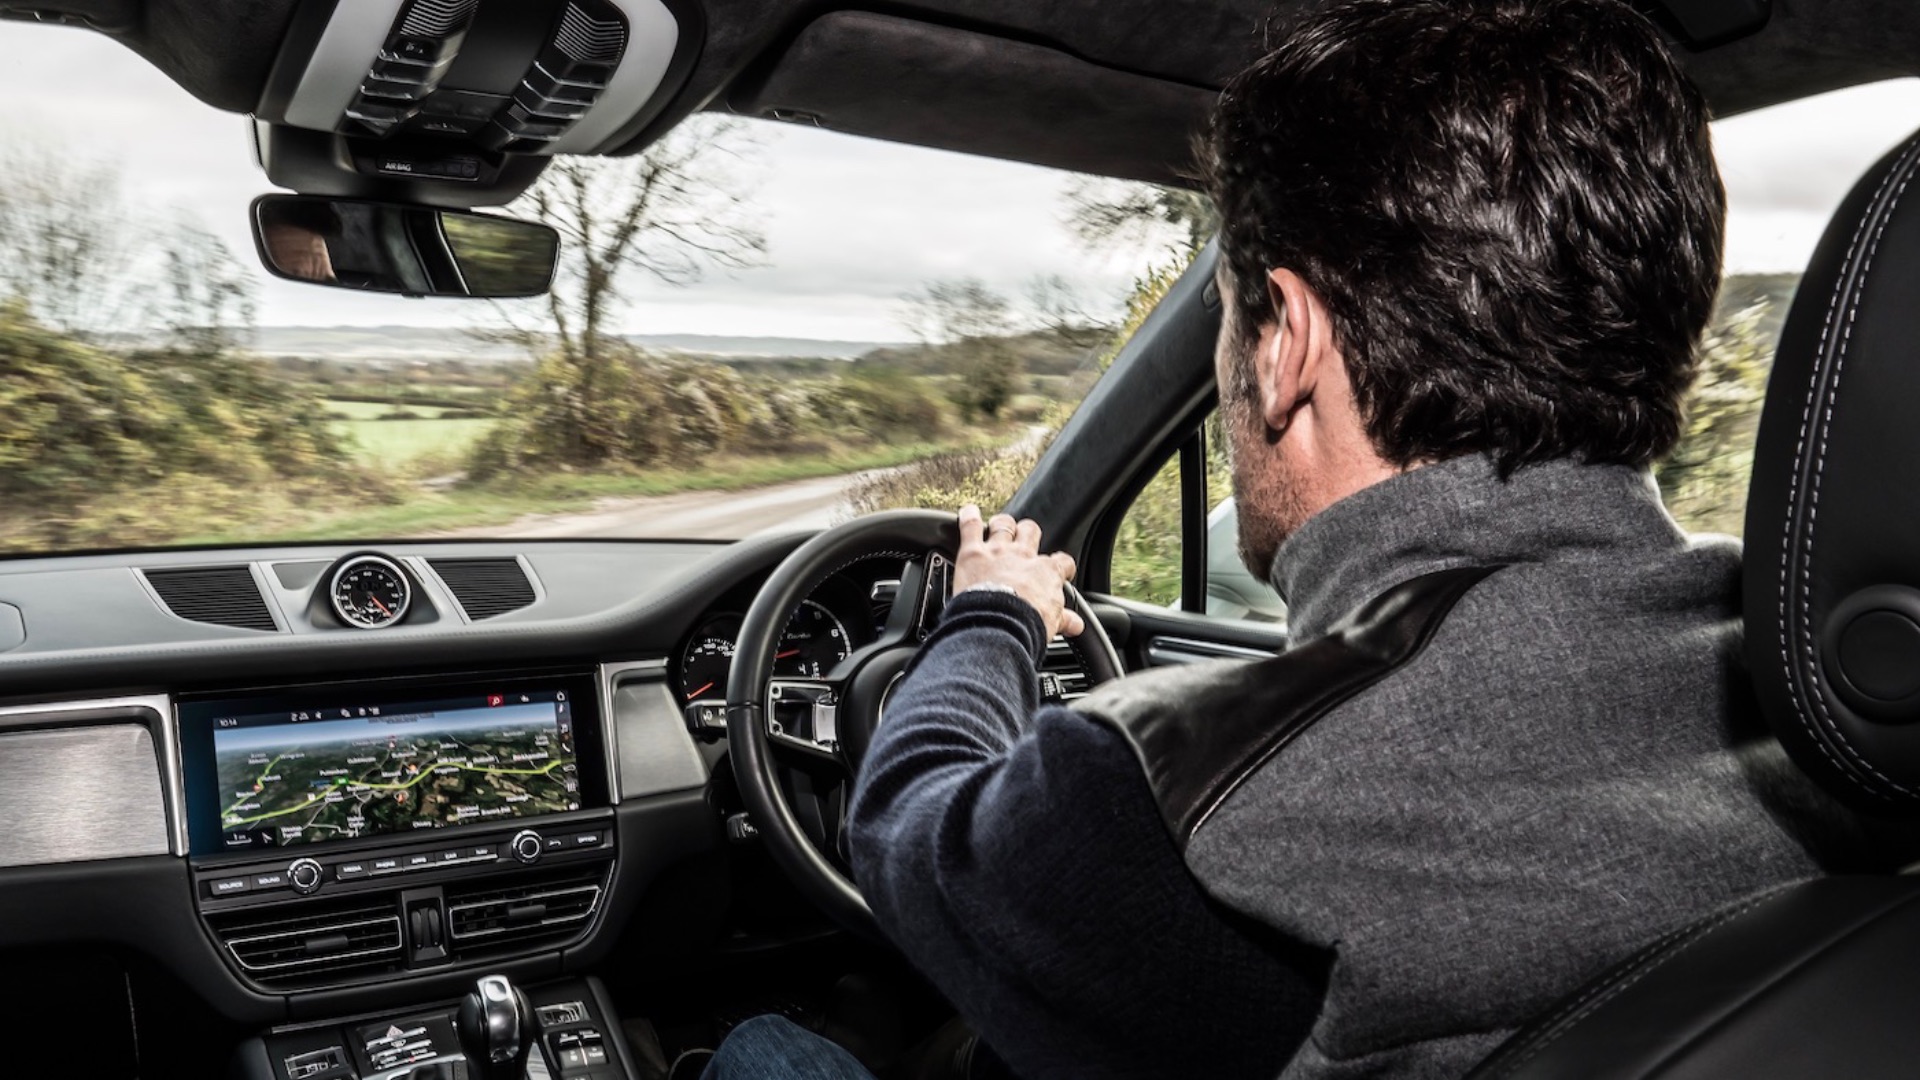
x=753, y=326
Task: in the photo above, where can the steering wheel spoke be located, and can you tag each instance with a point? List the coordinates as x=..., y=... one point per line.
x=803, y=717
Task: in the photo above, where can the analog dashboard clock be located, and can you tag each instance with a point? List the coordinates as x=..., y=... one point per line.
x=369, y=591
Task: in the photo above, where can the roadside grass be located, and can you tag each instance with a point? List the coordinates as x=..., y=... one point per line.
x=424, y=512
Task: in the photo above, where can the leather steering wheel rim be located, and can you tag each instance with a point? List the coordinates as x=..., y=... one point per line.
x=889, y=532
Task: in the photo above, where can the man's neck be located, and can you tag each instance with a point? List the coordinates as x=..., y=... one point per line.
x=1456, y=513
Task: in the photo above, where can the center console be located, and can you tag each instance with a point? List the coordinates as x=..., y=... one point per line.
x=561, y=1030
x=346, y=834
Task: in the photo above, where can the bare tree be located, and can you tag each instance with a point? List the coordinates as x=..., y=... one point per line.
x=672, y=213
x=69, y=239
x=972, y=322
x=1119, y=213
x=954, y=310
x=206, y=302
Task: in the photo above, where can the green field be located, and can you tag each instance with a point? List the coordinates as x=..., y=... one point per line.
x=400, y=442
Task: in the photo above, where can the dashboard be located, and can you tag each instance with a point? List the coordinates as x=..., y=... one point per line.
x=309, y=778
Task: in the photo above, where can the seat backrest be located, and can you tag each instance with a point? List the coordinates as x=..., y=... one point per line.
x=1832, y=574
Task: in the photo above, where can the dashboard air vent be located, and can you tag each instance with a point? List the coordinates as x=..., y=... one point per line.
x=485, y=587
x=222, y=595
x=486, y=916
x=1063, y=664
x=277, y=949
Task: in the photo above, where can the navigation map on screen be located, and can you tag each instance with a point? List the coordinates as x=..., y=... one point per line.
x=330, y=774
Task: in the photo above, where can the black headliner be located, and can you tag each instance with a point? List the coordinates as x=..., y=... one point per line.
x=220, y=51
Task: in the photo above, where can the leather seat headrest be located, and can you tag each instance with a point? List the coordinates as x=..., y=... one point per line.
x=1832, y=576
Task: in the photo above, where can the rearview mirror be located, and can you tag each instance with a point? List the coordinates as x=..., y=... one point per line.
x=402, y=248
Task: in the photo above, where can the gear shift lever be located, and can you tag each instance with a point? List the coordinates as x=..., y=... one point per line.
x=497, y=1028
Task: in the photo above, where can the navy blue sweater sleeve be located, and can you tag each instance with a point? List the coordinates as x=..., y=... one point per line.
x=1015, y=855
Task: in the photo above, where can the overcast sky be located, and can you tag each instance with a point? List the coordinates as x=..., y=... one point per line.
x=851, y=223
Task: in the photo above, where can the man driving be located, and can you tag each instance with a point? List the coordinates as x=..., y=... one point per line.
x=1468, y=249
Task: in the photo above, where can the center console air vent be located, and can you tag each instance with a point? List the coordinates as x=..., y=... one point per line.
x=485, y=587
x=222, y=595
x=282, y=950
x=1062, y=675
x=484, y=917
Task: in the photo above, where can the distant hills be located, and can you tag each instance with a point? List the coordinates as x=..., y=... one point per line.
x=403, y=344
x=1040, y=352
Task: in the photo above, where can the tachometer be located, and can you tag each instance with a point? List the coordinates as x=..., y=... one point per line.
x=369, y=591
x=815, y=641
x=709, y=656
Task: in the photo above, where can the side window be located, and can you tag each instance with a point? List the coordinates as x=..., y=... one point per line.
x=1177, y=546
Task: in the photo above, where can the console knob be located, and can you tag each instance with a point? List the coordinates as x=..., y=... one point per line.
x=527, y=846
x=304, y=875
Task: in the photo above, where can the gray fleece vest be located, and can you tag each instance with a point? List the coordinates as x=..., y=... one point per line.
x=1510, y=746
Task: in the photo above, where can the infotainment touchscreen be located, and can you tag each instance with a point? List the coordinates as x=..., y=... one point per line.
x=301, y=769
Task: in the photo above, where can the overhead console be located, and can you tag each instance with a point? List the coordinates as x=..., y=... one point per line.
x=342, y=833
x=460, y=102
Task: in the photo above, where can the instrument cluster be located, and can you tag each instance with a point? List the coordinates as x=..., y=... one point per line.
x=846, y=611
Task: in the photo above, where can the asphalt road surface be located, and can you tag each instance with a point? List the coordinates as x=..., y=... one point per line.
x=705, y=515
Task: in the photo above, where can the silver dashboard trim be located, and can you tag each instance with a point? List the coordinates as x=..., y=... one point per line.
x=669, y=752
x=609, y=677
x=166, y=741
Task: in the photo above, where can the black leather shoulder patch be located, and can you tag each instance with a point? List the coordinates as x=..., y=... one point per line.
x=1201, y=729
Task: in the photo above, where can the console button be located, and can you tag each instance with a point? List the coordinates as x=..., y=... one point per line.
x=527, y=846
x=452, y=856
x=586, y=839
x=556, y=843
x=304, y=875
x=596, y=1053
x=386, y=866
x=275, y=880
x=416, y=50
x=347, y=871
x=573, y=1058
x=482, y=852
x=228, y=886
x=416, y=862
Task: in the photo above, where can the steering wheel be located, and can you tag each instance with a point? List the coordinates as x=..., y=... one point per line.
x=829, y=722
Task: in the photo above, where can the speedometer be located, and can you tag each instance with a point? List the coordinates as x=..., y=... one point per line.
x=369, y=591
x=815, y=641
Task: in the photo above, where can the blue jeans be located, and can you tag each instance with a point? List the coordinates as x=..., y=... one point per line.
x=775, y=1048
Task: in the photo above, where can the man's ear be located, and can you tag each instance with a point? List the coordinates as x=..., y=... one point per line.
x=1287, y=362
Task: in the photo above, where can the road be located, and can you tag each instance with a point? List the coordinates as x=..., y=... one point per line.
x=719, y=515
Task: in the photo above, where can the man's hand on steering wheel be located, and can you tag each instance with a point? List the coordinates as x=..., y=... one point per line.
x=1002, y=553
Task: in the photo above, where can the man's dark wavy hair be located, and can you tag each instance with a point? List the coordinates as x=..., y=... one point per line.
x=1510, y=208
